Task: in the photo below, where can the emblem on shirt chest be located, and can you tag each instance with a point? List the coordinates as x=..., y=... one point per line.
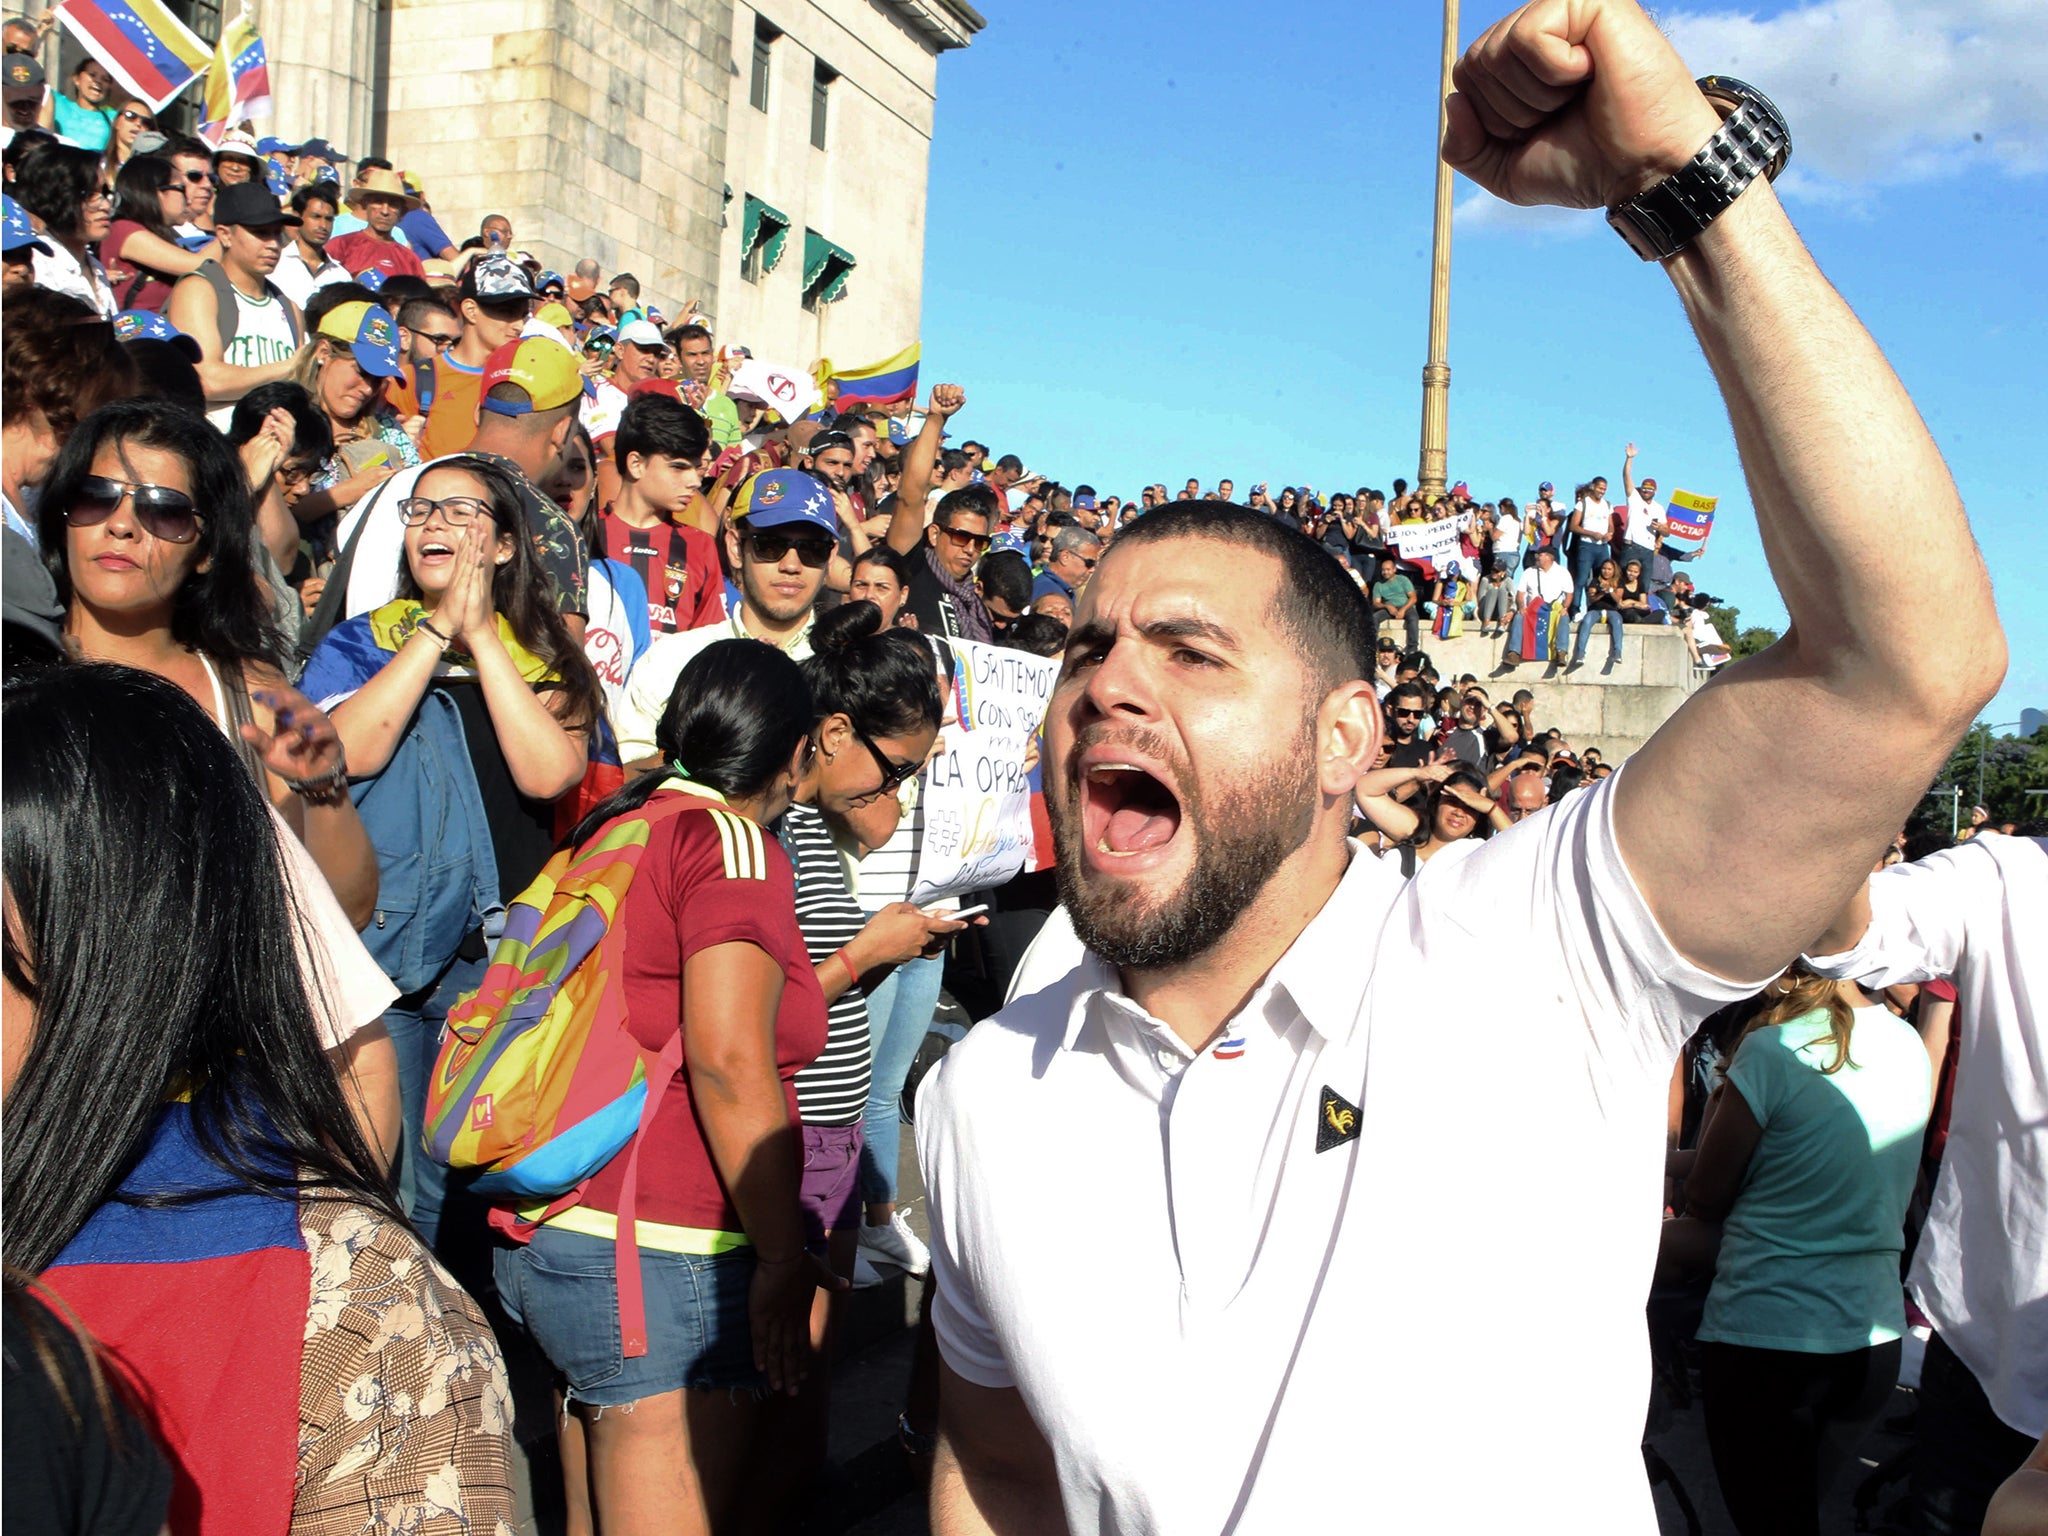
x=1336, y=1121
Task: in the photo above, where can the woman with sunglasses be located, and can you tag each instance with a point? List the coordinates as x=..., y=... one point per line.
x=64, y=187
x=140, y=250
x=876, y=705
x=1456, y=808
x=670, y=1440
x=181, y=1168
x=146, y=528
x=474, y=618
x=131, y=121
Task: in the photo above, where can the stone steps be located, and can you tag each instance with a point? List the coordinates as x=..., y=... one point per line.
x=1615, y=711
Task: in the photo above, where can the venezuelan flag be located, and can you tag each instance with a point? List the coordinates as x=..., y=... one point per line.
x=886, y=383
x=142, y=44
x=238, y=84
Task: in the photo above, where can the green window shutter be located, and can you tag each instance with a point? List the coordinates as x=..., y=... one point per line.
x=826, y=268
x=764, y=232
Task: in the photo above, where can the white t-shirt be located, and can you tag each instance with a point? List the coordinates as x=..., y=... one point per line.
x=1596, y=518
x=1978, y=913
x=298, y=281
x=1507, y=533
x=654, y=678
x=1642, y=512
x=1296, y=1282
x=601, y=411
x=263, y=335
x=1553, y=585
x=57, y=269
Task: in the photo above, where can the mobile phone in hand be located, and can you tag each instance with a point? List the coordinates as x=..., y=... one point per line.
x=960, y=916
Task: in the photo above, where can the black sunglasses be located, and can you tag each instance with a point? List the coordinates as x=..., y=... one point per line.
x=768, y=548
x=1406, y=714
x=167, y=513
x=893, y=774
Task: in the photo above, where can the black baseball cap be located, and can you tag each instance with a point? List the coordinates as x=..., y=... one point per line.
x=250, y=205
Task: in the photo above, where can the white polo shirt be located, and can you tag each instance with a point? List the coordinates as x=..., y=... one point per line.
x=1435, y=1323
x=1979, y=914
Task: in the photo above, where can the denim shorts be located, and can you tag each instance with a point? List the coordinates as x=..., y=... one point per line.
x=830, y=1192
x=562, y=1288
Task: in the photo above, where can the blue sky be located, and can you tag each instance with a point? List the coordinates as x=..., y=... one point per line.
x=1169, y=243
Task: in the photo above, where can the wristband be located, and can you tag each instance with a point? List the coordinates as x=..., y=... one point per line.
x=852, y=976
x=428, y=626
x=331, y=788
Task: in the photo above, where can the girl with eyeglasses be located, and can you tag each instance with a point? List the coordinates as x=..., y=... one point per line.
x=140, y=250
x=146, y=527
x=64, y=187
x=474, y=620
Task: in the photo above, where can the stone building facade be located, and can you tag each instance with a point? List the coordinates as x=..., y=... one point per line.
x=643, y=132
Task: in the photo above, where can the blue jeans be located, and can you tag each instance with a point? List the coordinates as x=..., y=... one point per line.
x=1586, y=558
x=899, y=1017
x=1588, y=621
x=415, y=1023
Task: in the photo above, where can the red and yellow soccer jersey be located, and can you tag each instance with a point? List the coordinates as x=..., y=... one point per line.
x=685, y=586
x=709, y=876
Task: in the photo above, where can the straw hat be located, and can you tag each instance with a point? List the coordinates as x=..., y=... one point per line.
x=381, y=183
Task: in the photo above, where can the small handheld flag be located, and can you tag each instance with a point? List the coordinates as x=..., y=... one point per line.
x=238, y=82
x=1690, y=518
x=885, y=383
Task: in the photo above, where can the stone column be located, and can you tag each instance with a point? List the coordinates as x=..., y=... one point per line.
x=323, y=70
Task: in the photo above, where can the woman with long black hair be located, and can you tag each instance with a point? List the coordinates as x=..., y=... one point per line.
x=66, y=188
x=475, y=620
x=140, y=249
x=709, y=931
x=180, y=1165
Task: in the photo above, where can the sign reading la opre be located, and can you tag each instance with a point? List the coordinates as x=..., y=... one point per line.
x=977, y=794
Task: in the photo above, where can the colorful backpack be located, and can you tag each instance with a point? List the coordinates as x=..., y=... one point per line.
x=539, y=1082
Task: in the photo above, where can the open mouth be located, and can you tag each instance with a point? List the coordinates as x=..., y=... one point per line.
x=434, y=552
x=1126, y=811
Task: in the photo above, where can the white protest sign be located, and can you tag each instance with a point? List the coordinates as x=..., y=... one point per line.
x=977, y=795
x=1434, y=542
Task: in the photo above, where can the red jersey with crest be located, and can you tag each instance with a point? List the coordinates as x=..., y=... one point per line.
x=685, y=587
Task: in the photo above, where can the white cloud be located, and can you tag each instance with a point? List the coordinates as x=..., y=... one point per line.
x=1878, y=93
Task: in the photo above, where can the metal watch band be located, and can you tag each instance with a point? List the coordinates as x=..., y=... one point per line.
x=1663, y=220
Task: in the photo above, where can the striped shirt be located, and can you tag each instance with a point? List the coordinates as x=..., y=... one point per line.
x=833, y=1090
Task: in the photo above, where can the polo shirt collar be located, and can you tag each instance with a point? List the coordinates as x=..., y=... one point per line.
x=1328, y=996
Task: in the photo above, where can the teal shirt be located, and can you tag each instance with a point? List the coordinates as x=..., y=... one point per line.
x=87, y=127
x=1810, y=1252
x=1394, y=591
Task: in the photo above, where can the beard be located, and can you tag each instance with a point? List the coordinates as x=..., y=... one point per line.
x=1244, y=829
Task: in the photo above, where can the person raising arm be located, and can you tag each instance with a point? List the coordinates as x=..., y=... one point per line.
x=1886, y=659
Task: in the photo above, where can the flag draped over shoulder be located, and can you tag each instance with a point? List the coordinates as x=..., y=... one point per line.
x=238, y=83
x=885, y=383
x=141, y=43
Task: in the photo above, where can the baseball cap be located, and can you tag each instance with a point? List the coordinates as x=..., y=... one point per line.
x=1546, y=486
x=540, y=365
x=20, y=234
x=371, y=334
x=271, y=144
x=831, y=437
x=656, y=387
x=148, y=325
x=1461, y=489
x=547, y=279
x=778, y=497
x=320, y=149
x=1084, y=503
x=21, y=76
x=371, y=279
x=642, y=333
x=250, y=205
x=496, y=278
x=555, y=314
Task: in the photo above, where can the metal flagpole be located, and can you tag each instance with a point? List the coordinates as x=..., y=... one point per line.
x=1436, y=373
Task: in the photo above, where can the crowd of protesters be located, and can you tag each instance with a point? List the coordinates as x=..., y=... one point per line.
x=362, y=581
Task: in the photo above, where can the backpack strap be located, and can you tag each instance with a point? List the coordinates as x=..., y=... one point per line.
x=227, y=304
x=626, y=1259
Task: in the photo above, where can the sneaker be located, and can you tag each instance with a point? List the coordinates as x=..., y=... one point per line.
x=896, y=1244
x=865, y=1276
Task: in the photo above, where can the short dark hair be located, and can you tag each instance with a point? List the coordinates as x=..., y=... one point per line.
x=895, y=564
x=1318, y=603
x=312, y=434
x=683, y=333
x=167, y=373
x=654, y=423
x=185, y=146
x=967, y=501
x=953, y=460
x=328, y=192
x=1410, y=690
x=1006, y=574
x=1010, y=464
x=627, y=281
x=375, y=163
x=1039, y=634
x=413, y=312
x=400, y=290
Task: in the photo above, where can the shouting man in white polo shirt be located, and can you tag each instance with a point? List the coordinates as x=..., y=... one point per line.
x=1362, y=1255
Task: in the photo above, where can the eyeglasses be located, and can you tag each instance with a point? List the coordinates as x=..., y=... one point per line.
x=456, y=511
x=101, y=195
x=893, y=774
x=769, y=548
x=167, y=513
x=442, y=340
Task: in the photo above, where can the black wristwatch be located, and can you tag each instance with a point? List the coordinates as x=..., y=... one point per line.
x=1752, y=141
